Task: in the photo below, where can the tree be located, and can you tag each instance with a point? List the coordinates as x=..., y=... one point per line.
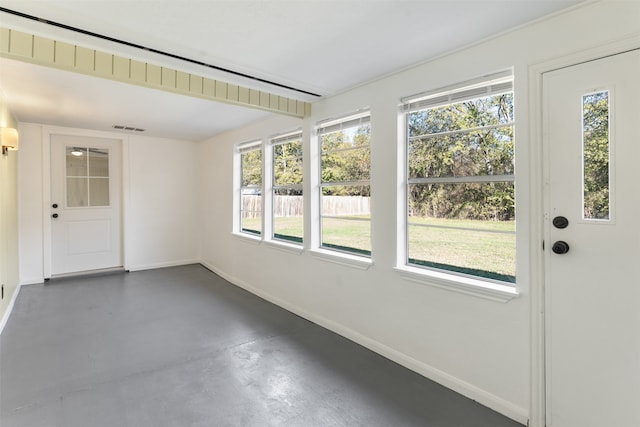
x=287, y=169
x=346, y=157
x=252, y=168
x=595, y=130
x=466, y=139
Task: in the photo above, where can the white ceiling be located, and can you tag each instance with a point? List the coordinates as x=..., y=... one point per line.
x=320, y=46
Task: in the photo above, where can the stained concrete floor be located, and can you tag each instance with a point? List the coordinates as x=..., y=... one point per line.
x=182, y=347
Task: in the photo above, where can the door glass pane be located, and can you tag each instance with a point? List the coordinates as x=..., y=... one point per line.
x=87, y=176
x=76, y=161
x=98, y=162
x=99, y=191
x=595, y=151
x=77, y=192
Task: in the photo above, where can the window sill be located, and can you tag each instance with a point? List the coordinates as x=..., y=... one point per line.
x=479, y=288
x=342, y=259
x=248, y=238
x=284, y=246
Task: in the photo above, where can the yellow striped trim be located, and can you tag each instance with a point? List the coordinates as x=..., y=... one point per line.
x=64, y=56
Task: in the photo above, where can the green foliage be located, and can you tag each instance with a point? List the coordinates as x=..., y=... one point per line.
x=346, y=157
x=596, y=155
x=252, y=168
x=288, y=167
x=446, y=142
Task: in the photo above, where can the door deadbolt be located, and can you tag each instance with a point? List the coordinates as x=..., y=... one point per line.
x=54, y=206
x=560, y=222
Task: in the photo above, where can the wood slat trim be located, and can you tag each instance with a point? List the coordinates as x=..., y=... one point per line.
x=38, y=50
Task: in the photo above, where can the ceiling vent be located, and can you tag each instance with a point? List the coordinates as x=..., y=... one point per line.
x=129, y=128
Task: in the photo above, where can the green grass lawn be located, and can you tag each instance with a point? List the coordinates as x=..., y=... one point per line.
x=484, y=248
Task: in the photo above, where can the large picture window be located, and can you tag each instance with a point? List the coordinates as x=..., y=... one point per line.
x=345, y=210
x=460, y=196
x=287, y=202
x=251, y=187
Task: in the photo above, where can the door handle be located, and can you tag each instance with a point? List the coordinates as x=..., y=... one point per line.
x=560, y=247
x=54, y=215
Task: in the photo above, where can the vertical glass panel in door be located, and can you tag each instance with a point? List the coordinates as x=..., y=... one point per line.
x=595, y=153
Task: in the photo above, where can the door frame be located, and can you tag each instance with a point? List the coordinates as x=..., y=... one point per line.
x=539, y=232
x=47, y=243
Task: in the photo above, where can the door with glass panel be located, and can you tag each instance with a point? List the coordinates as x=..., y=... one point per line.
x=592, y=244
x=85, y=204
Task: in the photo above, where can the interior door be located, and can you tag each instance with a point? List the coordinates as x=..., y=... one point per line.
x=592, y=149
x=85, y=203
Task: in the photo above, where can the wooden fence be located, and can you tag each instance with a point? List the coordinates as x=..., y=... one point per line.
x=284, y=206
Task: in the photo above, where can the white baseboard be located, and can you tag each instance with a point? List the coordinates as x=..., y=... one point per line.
x=32, y=281
x=466, y=389
x=7, y=313
x=161, y=265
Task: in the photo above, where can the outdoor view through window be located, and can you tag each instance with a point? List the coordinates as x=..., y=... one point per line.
x=344, y=188
x=461, y=186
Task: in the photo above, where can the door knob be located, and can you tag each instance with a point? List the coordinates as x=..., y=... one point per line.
x=560, y=247
x=55, y=215
x=560, y=222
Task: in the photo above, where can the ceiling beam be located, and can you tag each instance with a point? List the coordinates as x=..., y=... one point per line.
x=47, y=52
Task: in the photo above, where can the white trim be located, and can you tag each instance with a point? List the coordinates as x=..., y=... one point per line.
x=32, y=281
x=7, y=312
x=486, y=289
x=163, y=264
x=341, y=258
x=47, y=132
x=46, y=201
x=538, y=227
x=464, y=388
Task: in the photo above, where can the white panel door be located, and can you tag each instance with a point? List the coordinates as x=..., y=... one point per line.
x=85, y=203
x=592, y=149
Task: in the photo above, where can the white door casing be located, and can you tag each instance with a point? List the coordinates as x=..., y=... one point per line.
x=86, y=198
x=592, y=292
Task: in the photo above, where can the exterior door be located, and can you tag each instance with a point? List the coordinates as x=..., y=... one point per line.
x=592, y=291
x=85, y=204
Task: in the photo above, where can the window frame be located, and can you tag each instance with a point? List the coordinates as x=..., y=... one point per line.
x=282, y=139
x=341, y=255
x=485, y=287
x=242, y=149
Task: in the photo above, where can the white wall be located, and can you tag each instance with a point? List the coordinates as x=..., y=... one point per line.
x=160, y=203
x=159, y=194
x=30, y=202
x=478, y=347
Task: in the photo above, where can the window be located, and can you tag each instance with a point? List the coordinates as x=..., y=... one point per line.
x=87, y=177
x=345, y=211
x=287, y=202
x=596, y=157
x=251, y=188
x=460, y=189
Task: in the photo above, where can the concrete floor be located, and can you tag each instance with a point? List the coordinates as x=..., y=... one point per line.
x=182, y=347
